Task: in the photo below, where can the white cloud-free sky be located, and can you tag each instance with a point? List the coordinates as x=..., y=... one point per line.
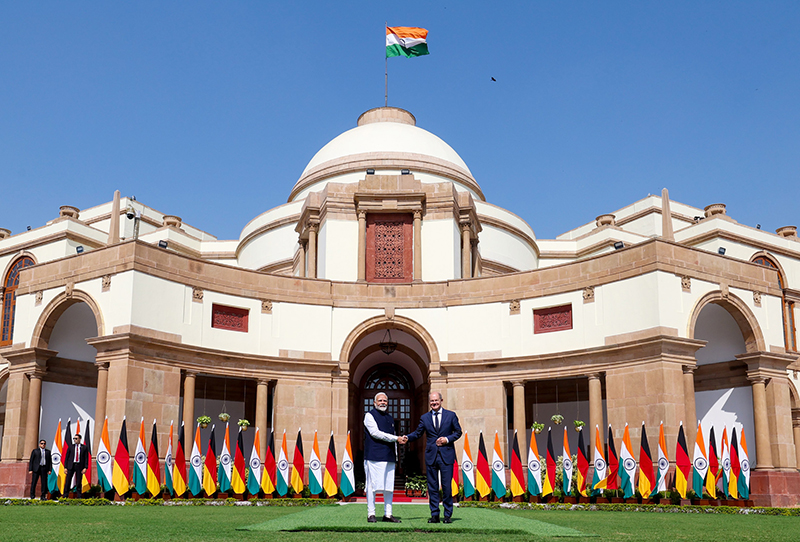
x=211, y=110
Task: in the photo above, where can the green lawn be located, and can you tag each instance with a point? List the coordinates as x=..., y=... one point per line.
x=210, y=523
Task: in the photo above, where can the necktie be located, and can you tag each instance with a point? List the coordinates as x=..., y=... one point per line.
x=77, y=448
x=41, y=456
x=436, y=420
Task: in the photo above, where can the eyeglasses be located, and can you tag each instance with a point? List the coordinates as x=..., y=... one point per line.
x=76, y=438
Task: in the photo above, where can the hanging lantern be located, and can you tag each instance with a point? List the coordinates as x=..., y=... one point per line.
x=387, y=344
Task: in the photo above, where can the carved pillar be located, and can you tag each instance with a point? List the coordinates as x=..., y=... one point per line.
x=188, y=405
x=100, y=402
x=796, y=431
x=690, y=424
x=362, y=246
x=465, y=251
x=595, y=406
x=761, y=422
x=262, y=392
x=312, y=251
x=417, y=245
x=34, y=405
x=475, y=270
x=302, y=258
x=519, y=418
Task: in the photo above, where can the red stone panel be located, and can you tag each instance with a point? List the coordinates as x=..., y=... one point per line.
x=231, y=318
x=552, y=319
x=389, y=248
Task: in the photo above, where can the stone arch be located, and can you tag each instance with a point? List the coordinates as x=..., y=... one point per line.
x=775, y=262
x=400, y=323
x=741, y=313
x=54, y=310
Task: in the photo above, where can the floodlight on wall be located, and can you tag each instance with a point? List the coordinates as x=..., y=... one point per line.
x=79, y=249
x=162, y=244
x=29, y=228
x=721, y=251
x=370, y=172
x=758, y=226
x=618, y=245
x=405, y=172
x=387, y=344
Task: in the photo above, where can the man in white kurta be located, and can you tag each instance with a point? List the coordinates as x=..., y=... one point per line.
x=380, y=456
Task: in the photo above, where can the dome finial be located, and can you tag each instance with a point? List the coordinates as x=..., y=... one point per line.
x=387, y=114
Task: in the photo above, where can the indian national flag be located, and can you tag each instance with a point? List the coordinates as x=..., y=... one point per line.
x=330, y=478
x=140, y=464
x=467, y=469
x=663, y=462
x=53, y=483
x=315, y=469
x=627, y=465
x=298, y=465
x=683, y=466
x=153, y=467
x=744, y=476
x=699, y=462
x=179, y=468
x=120, y=471
x=599, y=476
x=283, y=469
x=348, y=480
x=254, y=466
x=168, y=463
x=225, y=460
x=566, y=466
x=105, y=468
x=196, y=466
x=517, y=477
x=725, y=462
x=483, y=474
x=498, y=469
x=534, y=467
x=406, y=41
x=268, y=472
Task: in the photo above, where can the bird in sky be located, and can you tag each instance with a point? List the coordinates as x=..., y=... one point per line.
x=493, y=79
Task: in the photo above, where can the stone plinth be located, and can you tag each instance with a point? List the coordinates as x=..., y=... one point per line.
x=775, y=488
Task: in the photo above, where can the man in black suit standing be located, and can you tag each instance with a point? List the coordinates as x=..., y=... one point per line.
x=442, y=429
x=77, y=462
x=39, y=467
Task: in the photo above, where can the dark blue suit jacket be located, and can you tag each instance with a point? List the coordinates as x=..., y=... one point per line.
x=449, y=427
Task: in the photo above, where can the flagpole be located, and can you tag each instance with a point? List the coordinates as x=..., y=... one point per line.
x=386, y=70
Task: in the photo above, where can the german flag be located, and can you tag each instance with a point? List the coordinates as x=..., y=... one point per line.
x=713, y=465
x=550, y=464
x=237, y=473
x=517, y=476
x=329, y=477
x=298, y=465
x=120, y=474
x=210, y=466
x=483, y=476
x=153, y=468
x=86, y=482
x=583, y=466
x=179, y=470
x=736, y=469
x=612, y=463
x=268, y=474
x=683, y=466
x=67, y=443
x=647, y=479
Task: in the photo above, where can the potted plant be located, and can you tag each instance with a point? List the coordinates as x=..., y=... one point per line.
x=537, y=427
x=244, y=424
x=203, y=421
x=224, y=416
x=557, y=419
x=579, y=425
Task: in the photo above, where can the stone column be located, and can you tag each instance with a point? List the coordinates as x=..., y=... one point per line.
x=417, y=245
x=302, y=258
x=188, y=405
x=465, y=251
x=595, y=407
x=796, y=430
x=362, y=246
x=690, y=423
x=312, y=251
x=519, y=418
x=262, y=392
x=761, y=422
x=34, y=405
x=474, y=270
x=100, y=402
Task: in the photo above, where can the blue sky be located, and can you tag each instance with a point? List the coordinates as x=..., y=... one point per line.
x=211, y=110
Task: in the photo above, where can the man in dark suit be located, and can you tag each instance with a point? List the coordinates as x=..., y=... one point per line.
x=77, y=462
x=39, y=467
x=442, y=429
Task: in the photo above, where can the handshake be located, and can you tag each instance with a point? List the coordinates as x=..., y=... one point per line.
x=402, y=439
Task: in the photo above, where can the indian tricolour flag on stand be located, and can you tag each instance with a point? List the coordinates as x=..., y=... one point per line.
x=406, y=41
x=534, y=467
x=55, y=453
x=196, y=466
x=140, y=464
x=282, y=484
x=566, y=466
x=627, y=465
x=700, y=462
x=105, y=467
x=169, y=463
x=225, y=460
x=254, y=466
x=467, y=469
x=599, y=463
x=743, y=480
x=315, y=469
x=663, y=462
x=348, y=482
x=498, y=469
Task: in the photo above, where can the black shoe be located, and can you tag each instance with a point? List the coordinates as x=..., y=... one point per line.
x=434, y=519
x=390, y=519
x=372, y=519
x=447, y=520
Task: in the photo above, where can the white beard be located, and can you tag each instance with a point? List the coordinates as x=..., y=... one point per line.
x=382, y=408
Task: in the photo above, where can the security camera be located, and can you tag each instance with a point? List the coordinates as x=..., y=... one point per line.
x=130, y=212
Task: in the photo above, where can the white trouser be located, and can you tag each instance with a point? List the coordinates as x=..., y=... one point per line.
x=387, y=502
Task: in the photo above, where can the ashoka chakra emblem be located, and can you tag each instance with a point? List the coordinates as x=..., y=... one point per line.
x=700, y=464
x=567, y=464
x=225, y=459
x=467, y=466
x=629, y=464
x=196, y=461
x=497, y=466
x=534, y=465
x=283, y=465
x=56, y=457
x=167, y=460
x=347, y=465
x=141, y=459
x=255, y=463
x=600, y=464
x=314, y=465
x=663, y=464
x=745, y=465
x=102, y=458
x=726, y=464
